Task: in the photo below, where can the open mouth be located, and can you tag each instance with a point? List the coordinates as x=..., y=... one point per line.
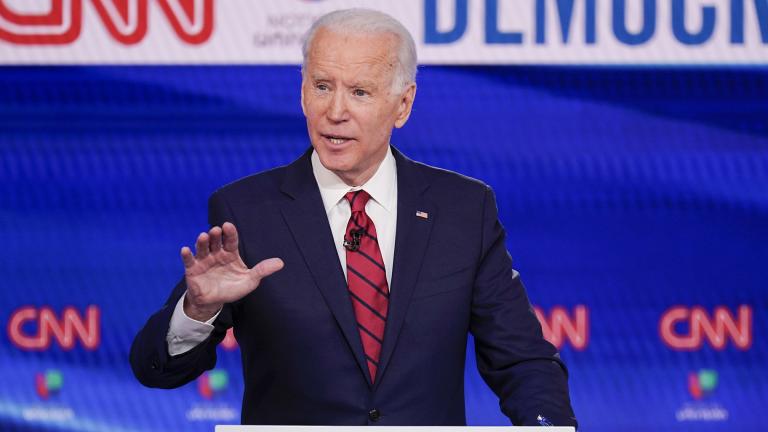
x=336, y=139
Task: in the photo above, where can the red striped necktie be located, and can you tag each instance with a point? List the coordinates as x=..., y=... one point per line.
x=366, y=279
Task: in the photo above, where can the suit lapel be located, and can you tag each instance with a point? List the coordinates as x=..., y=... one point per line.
x=411, y=242
x=306, y=218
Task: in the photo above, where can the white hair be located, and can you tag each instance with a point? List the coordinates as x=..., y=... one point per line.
x=368, y=21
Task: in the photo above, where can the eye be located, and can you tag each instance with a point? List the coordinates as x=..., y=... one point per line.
x=322, y=86
x=359, y=92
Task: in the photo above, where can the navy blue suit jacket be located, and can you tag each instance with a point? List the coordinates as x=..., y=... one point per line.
x=302, y=357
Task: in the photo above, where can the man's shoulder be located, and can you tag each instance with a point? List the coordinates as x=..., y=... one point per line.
x=258, y=187
x=266, y=185
x=442, y=180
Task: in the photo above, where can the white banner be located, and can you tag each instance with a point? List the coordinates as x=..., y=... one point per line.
x=446, y=31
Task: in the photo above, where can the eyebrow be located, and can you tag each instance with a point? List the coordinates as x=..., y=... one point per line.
x=364, y=84
x=318, y=77
x=355, y=84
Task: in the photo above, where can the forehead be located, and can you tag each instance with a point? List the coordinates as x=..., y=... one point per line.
x=370, y=55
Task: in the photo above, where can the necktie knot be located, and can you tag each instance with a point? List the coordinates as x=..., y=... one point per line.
x=357, y=200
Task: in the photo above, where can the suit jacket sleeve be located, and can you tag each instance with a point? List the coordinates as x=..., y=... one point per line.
x=520, y=366
x=149, y=358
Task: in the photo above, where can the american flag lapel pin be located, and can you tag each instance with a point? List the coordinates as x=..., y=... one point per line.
x=422, y=214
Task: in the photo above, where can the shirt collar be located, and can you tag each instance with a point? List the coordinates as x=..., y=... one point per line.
x=381, y=186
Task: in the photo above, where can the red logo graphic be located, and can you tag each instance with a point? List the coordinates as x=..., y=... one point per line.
x=716, y=330
x=229, y=343
x=702, y=383
x=48, y=383
x=125, y=20
x=560, y=326
x=211, y=383
x=65, y=331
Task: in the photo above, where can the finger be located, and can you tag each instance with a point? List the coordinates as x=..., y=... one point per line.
x=201, y=246
x=266, y=268
x=214, y=239
x=187, y=257
x=230, y=238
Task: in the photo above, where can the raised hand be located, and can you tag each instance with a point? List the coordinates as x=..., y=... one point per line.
x=217, y=274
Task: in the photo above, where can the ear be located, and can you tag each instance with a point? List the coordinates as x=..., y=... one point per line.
x=303, y=108
x=405, y=104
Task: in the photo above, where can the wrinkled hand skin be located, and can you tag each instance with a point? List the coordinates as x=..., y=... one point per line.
x=216, y=274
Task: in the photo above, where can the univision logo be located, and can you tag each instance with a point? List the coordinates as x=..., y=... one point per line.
x=212, y=383
x=209, y=385
x=702, y=383
x=48, y=383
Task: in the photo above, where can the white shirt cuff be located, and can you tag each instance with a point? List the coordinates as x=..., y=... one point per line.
x=185, y=333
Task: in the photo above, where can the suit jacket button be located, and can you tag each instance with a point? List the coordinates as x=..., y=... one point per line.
x=374, y=415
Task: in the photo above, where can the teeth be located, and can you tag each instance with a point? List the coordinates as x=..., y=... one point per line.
x=337, y=140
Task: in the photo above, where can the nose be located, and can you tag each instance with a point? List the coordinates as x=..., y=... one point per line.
x=337, y=111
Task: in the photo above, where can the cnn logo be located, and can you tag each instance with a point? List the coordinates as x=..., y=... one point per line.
x=560, y=326
x=60, y=22
x=686, y=328
x=47, y=327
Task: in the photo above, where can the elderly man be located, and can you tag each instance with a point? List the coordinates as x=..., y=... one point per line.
x=353, y=276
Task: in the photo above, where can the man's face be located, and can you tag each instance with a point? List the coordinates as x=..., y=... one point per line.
x=349, y=101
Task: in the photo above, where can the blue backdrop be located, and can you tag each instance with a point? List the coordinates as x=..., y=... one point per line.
x=625, y=192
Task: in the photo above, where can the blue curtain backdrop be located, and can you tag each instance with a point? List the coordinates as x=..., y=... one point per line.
x=624, y=190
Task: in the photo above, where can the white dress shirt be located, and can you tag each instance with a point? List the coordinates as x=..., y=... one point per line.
x=184, y=333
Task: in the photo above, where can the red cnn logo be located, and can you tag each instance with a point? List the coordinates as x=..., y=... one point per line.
x=560, y=326
x=716, y=329
x=66, y=330
x=126, y=21
x=229, y=343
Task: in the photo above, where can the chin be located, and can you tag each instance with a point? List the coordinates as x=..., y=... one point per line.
x=336, y=162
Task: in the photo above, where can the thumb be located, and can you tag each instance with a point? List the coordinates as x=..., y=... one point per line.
x=265, y=268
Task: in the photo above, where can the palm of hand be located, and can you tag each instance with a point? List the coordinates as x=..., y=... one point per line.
x=217, y=274
x=220, y=277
